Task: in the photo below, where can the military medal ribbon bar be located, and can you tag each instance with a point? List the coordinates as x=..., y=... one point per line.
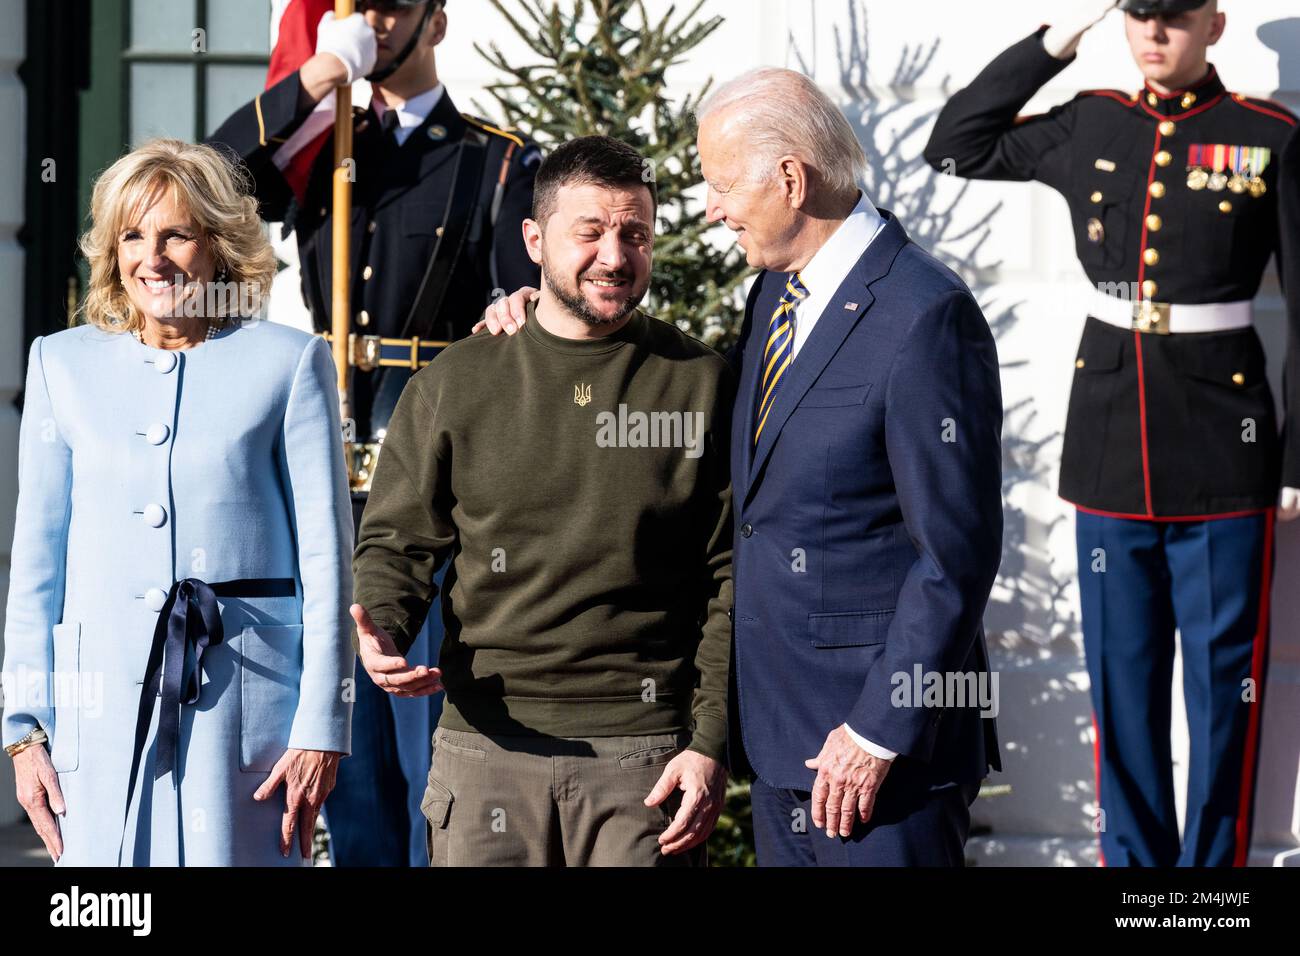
x=1217, y=166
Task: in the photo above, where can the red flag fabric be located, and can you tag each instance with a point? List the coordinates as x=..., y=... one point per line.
x=296, y=41
x=294, y=45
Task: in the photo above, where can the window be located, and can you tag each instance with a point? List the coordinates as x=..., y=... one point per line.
x=189, y=64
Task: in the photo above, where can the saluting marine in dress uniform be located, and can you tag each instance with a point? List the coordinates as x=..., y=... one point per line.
x=439, y=200
x=1171, y=452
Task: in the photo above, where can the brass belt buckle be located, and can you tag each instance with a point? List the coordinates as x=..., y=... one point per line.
x=362, y=458
x=1151, y=317
x=365, y=351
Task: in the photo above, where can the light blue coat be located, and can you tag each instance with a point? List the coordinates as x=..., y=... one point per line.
x=139, y=467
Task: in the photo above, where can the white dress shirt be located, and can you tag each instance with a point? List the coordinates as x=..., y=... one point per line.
x=831, y=265
x=822, y=276
x=411, y=113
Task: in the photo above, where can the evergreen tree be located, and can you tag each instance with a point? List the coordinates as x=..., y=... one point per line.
x=601, y=69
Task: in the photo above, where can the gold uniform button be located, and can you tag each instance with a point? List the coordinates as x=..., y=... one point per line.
x=1167, y=128
x=438, y=232
x=1225, y=206
x=363, y=317
x=1151, y=257
x=1163, y=158
x=1157, y=190
x=1152, y=99
x=1078, y=363
x=1188, y=100
x=371, y=227
x=1154, y=222
x=1096, y=197
x=1238, y=378
x=367, y=272
x=1149, y=288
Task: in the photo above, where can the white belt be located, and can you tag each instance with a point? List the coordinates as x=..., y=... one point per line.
x=1164, y=318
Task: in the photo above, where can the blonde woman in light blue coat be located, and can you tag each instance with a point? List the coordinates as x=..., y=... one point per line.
x=178, y=668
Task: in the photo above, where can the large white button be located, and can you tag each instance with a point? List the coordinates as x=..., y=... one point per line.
x=157, y=433
x=155, y=598
x=164, y=362
x=154, y=515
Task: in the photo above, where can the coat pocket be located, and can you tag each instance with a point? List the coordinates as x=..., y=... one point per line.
x=835, y=396
x=849, y=628
x=66, y=697
x=270, y=672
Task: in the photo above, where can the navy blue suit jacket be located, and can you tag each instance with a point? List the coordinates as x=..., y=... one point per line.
x=868, y=521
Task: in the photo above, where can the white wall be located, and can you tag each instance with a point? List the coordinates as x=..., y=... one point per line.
x=14, y=168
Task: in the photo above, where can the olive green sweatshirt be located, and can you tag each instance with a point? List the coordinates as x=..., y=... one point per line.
x=581, y=491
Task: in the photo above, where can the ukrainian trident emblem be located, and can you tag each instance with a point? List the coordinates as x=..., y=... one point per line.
x=581, y=395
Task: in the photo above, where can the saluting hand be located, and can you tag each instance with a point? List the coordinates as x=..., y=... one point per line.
x=1062, y=38
x=386, y=667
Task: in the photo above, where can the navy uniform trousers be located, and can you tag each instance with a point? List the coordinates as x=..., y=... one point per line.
x=1139, y=581
x=373, y=814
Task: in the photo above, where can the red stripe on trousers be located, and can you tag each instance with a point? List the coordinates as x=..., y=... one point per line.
x=1260, y=649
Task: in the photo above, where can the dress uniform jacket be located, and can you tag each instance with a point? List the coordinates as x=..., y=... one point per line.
x=1179, y=425
x=400, y=197
x=140, y=467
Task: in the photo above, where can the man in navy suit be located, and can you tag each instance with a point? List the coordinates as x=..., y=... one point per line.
x=866, y=462
x=866, y=468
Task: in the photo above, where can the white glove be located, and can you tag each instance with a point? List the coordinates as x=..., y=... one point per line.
x=1289, y=505
x=351, y=40
x=1062, y=38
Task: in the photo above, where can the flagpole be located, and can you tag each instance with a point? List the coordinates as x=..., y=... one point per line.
x=340, y=301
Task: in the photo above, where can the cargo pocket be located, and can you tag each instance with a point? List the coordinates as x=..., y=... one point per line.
x=436, y=808
x=65, y=693
x=270, y=670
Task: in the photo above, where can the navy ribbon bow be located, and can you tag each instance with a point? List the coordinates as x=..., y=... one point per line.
x=190, y=618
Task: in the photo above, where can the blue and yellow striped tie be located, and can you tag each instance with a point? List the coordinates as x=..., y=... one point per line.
x=779, y=350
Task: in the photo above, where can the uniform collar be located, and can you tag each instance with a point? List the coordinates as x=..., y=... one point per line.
x=415, y=110
x=1181, y=102
x=439, y=121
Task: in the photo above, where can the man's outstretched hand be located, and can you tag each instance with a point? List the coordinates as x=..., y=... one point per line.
x=386, y=667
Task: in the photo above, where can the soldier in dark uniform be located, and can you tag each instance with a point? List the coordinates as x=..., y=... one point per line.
x=1171, y=453
x=439, y=199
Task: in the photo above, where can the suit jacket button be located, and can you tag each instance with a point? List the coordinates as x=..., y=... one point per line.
x=155, y=598
x=155, y=516
x=165, y=362
x=746, y=530
x=157, y=433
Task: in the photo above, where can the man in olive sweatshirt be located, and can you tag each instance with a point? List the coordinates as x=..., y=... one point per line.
x=576, y=478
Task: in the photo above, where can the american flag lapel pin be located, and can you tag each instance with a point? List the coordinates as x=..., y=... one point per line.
x=850, y=307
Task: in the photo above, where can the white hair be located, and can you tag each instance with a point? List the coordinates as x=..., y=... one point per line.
x=786, y=113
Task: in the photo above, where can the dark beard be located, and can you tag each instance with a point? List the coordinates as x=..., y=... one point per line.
x=576, y=304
